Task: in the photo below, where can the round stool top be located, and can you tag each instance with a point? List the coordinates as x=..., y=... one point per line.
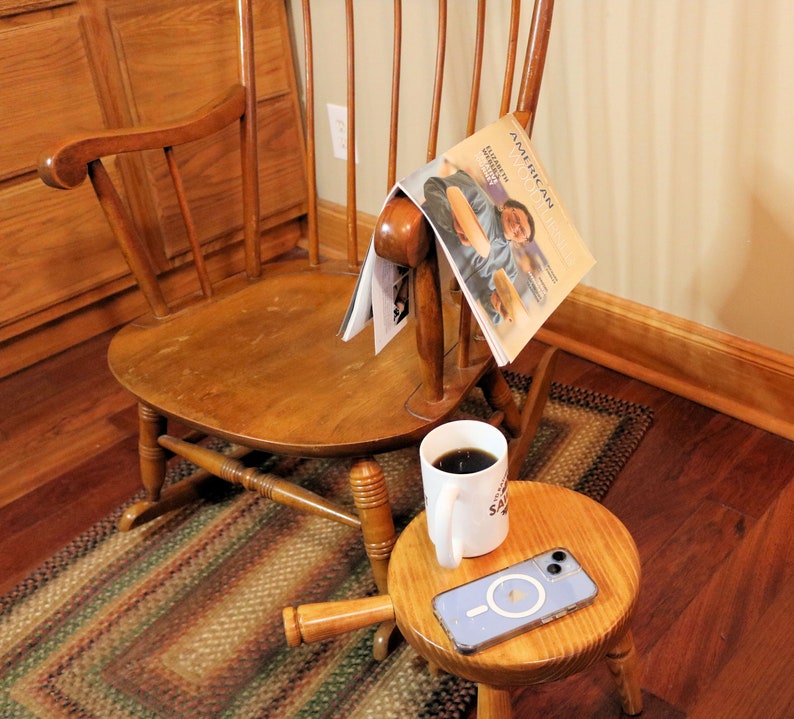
x=542, y=517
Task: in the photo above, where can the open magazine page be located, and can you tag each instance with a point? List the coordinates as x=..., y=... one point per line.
x=390, y=300
x=359, y=311
x=381, y=295
x=504, y=230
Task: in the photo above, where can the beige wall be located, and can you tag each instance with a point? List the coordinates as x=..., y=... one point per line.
x=667, y=127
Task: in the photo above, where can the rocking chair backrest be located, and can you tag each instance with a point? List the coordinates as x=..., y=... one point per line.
x=526, y=75
x=401, y=234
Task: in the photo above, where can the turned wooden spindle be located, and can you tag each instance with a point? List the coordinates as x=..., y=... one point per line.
x=151, y=424
x=316, y=622
x=266, y=484
x=497, y=392
x=368, y=486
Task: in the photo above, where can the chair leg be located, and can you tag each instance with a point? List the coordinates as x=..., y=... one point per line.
x=371, y=497
x=377, y=525
x=521, y=425
x=152, y=458
x=150, y=454
x=499, y=397
x=493, y=702
x=624, y=665
x=532, y=411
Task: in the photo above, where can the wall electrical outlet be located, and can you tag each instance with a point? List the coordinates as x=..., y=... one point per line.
x=337, y=121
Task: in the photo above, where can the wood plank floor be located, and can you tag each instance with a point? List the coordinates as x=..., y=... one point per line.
x=709, y=500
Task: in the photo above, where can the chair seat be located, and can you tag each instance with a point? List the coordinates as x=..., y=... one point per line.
x=233, y=368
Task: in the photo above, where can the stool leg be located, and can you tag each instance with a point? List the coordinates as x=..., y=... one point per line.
x=493, y=702
x=625, y=668
x=385, y=636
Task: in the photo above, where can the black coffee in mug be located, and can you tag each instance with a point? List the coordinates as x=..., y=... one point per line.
x=464, y=460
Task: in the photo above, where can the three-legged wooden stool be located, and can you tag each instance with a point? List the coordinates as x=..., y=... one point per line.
x=542, y=517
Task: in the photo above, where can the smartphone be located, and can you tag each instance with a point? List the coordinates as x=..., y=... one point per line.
x=498, y=606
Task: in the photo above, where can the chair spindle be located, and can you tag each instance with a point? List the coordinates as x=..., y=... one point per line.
x=187, y=218
x=139, y=263
x=248, y=143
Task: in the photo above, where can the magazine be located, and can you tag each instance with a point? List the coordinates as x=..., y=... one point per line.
x=381, y=296
x=504, y=231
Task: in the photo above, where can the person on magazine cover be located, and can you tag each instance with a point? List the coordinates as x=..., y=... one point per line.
x=504, y=224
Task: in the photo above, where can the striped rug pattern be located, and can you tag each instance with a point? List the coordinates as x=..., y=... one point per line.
x=182, y=617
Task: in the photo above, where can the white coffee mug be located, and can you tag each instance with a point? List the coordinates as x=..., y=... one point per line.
x=466, y=510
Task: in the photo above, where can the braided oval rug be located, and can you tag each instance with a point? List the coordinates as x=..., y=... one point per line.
x=182, y=617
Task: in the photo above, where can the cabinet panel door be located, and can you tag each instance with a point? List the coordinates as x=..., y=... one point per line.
x=47, y=91
x=176, y=56
x=81, y=65
x=54, y=245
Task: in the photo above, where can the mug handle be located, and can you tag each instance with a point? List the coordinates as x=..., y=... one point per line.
x=449, y=550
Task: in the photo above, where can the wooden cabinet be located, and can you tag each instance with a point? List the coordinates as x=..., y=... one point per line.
x=86, y=64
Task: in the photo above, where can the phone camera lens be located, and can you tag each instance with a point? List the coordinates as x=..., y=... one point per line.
x=554, y=569
x=559, y=556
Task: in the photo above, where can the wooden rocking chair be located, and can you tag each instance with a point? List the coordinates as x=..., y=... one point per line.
x=255, y=359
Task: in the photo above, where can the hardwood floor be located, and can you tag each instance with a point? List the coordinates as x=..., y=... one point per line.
x=709, y=500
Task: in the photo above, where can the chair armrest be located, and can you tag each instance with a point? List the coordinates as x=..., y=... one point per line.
x=65, y=164
x=402, y=234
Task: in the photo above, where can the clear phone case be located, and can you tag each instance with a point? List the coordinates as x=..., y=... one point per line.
x=485, y=611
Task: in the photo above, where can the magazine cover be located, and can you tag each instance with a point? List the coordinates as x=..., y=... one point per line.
x=504, y=231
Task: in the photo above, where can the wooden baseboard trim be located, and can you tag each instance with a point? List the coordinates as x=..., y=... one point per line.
x=332, y=230
x=731, y=375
